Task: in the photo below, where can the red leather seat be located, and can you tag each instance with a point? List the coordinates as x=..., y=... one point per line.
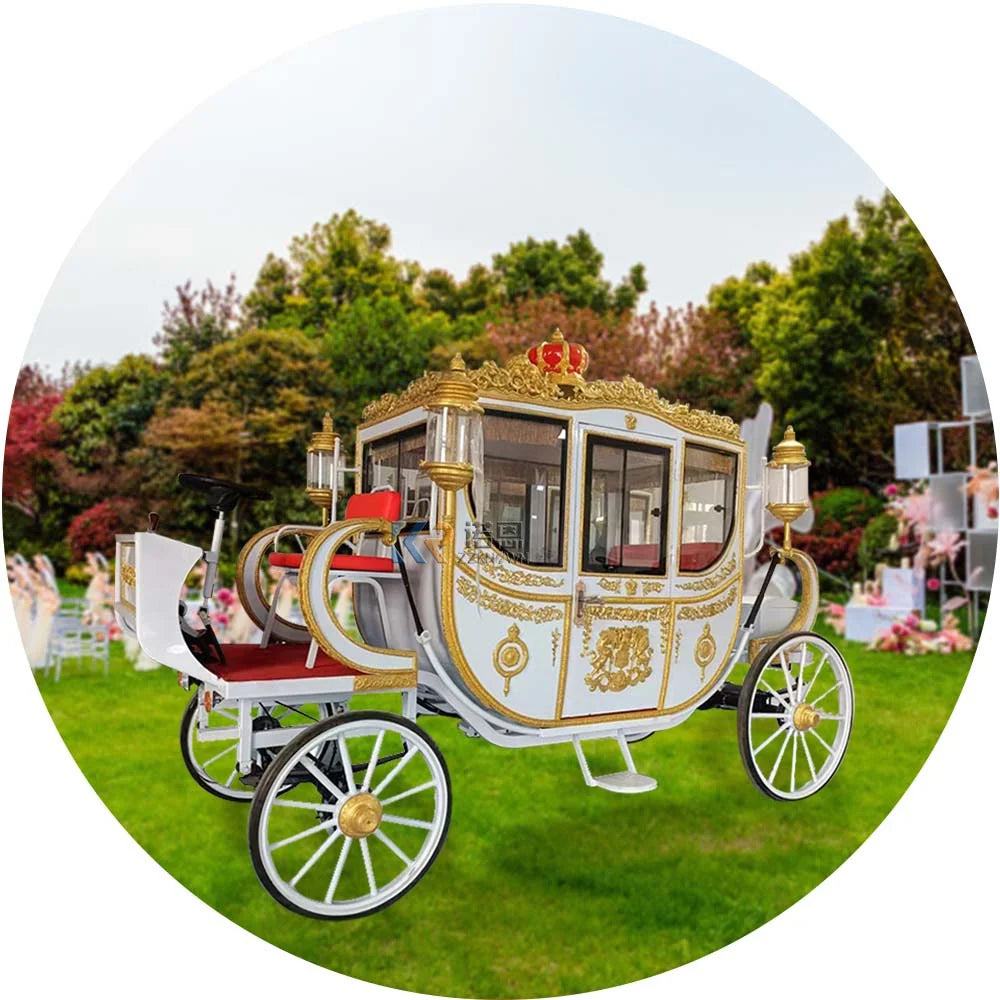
x=699, y=555
x=384, y=504
x=636, y=556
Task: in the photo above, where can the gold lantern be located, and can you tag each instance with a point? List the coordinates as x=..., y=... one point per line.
x=321, y=467
x=454, y=429
x=788, y=482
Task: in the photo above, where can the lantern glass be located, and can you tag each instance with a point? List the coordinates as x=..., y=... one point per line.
x=453, y=435
x=319, y=470
x=788, y=484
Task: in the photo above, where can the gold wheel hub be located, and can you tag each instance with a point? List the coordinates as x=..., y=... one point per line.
x=805, y=717
x=360, y=815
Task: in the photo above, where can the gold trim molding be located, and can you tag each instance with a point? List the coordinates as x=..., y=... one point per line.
x=489, y=601
x=710, y=610
x=713, y=581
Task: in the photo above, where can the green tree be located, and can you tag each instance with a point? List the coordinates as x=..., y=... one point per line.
x=571, y=270
x=102, y=416
x=336, y=263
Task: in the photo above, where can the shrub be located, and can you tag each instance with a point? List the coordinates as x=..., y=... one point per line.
x=875, y=540
x=836, y=553
x=94, y=530
x=844, y=508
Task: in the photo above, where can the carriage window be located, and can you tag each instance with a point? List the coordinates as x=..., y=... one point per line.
x=709, y=507
x=625, y=507
x=524, y=460
x=394, y=463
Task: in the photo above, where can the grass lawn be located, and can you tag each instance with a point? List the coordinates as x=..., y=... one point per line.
x=544, y=886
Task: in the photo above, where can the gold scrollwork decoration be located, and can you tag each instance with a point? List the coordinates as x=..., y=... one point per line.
x=386, y=680
x=510, y=656
x=494, y=566
x=127, y=574
x=621, y=658
x=695, y=611
x=519, y=379
x=630, y=421
x=489, y=601
x=631, y=587
x=652, y=587
x=713, y=581
x=612, y=586
x=556, y=638
x=704, y=650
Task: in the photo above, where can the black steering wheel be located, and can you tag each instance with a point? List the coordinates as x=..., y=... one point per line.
x=223, y=495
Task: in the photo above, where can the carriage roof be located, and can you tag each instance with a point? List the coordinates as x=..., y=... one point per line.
x=525, y=379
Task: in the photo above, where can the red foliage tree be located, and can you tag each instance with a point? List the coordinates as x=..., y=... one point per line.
x=31, y=438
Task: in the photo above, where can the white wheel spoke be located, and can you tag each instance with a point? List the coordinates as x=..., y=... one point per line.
x=795, y=757
x=781, y=753
x=406, y=821
x=773, y=736
x=834, y=718
x=816, y=701
x=325, y=825
x=788, y=675
x=776, y=695
x=345, y=760
x=829, y=748
x=366, y=784
x=335, y=878
x=768, y=715
x=327, y=807
x=805, y=747
x=225, y=713
x=317, y=854
x=231, y=778
x=404, y=760
x=219, y=756
x=307, y=763
x=822, y=661
x=392, y=847
x=366, y=856
x=409, y=792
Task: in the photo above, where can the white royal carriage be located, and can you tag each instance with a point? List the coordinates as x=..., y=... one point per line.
x=546, y=559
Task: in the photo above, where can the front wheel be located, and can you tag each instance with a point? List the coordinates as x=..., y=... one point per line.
x=350, y=815
x=794, y=716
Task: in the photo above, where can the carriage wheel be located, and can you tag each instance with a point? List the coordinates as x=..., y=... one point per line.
x=794, y=716
x=350, y=815
x=212, y=763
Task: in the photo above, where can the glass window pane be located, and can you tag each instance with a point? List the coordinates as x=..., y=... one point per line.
x=381, y=464
x=524, y=468
x=709, y=507
x=394, y=463
x=625, y=508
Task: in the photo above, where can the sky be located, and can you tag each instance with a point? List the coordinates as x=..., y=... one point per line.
x=464, y=130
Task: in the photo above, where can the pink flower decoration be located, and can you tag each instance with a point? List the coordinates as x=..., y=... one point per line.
x=898, y=628
x=225, y=596
x=891, y=490
x=933, y=583
x=992, y=511
x=911, y=621
x=221, y=619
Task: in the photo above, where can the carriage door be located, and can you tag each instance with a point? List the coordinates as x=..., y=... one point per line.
x=621, y=618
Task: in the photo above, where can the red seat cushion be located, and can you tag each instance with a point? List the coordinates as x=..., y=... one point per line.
x=363, y=564
x=699, y=555
x=636, y=556
x=347, y=562
x=385, y=503
x=278, y=662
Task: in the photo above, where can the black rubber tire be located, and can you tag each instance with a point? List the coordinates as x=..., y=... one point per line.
x=270, y=776
x=743, y=716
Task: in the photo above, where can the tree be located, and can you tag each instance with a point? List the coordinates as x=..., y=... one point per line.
x=376, y=346
x=571, y=270
x=195, y=322
x=334, y=264
x=32, y=435
x=102, y=416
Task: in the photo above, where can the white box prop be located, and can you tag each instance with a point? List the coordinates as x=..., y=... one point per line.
x=864, y=620
x=913, y=450
x=904, y=588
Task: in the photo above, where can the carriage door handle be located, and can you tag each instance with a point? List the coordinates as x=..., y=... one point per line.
x=582, y=600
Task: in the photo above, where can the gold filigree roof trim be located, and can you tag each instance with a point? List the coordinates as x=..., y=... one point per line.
x=520, y=380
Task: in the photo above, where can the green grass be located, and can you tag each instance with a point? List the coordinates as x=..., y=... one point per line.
x=544, y=886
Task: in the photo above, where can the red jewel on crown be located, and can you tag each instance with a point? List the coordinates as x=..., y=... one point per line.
x=560, y=361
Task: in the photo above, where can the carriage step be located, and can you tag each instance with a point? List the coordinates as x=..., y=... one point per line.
x=625, y=782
